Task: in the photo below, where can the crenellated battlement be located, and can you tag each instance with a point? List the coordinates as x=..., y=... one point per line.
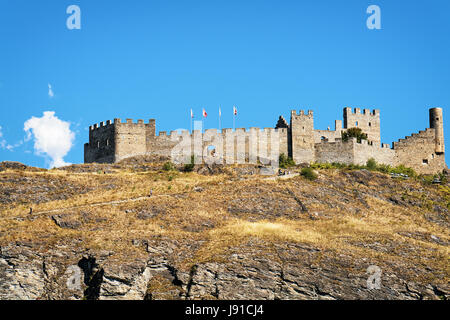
x=309, y=113
x=365, y=112
x=102, y=124
x=107, y=123
x=111, y=141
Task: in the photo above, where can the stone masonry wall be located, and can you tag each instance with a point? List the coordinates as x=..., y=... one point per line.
x=423, y=151
x=130, y=138
x=338, y=151
x=418, y=151
x=302, y=136
x=364, y=151
x=101, y=146
x=329, y=135
x=368, y=121
x=352, y=152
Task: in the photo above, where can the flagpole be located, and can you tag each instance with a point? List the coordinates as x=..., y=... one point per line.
x=234, y=118
x=191, y=116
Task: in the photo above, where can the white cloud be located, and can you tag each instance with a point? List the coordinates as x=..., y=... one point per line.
x=2, y=141
x=52, y=137
x=5, y=145
x=50, y=91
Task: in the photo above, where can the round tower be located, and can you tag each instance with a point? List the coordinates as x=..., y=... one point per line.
x=437, y=123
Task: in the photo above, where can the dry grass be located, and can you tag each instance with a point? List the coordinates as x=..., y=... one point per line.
x=182, y=214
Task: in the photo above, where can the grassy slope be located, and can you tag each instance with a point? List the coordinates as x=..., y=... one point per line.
x=361, y=214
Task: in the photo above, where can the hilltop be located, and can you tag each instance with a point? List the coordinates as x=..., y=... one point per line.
x=133, y=230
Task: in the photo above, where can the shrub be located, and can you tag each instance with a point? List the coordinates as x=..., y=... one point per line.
x=443, y=178
x=326, y=165
x=405, y=170
x=285, y=161
x=384, y=168
x=371, y=164
x=188, y=167
x=168, y=166
x=309, y=173
x=355, y=167
x=354, y=133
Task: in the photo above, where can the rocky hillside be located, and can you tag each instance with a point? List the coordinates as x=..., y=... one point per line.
x=135, y=231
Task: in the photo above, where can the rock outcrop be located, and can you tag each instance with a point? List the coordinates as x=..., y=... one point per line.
x=227, y=236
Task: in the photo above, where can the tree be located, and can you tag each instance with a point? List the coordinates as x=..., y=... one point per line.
x=285, y=161
x=354, y=133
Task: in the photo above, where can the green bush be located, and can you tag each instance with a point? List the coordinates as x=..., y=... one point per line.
x=384, y=168
x=309, y=174
x=168, y=166
x=285, y=161
x=371, y=164
x=427, y=179
x=354, y=133
x=334, y=165
x=188, y=167
x=405, y=170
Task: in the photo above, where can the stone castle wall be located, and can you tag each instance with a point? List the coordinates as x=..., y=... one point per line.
x=329, y=135
x=101, y=146
x=120, y=140
x=423, y=151
x=418, y=151
x=368, y=121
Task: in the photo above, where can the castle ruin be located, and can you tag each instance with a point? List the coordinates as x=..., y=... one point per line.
x=423, y=151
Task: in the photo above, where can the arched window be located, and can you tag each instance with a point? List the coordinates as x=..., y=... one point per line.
x=211, y=150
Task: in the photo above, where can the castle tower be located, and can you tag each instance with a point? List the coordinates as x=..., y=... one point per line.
x=437, y=123
x=302, y=136
x=367, y=121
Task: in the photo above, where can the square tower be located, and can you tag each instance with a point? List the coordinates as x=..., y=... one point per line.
x=302, y=136
x=367, y=121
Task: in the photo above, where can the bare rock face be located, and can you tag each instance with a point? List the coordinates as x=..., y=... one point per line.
x=347, y=235
x=288, y=271
x=22, y=273
x=65, y=221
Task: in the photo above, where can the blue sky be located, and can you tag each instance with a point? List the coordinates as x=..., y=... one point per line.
x=158, y=59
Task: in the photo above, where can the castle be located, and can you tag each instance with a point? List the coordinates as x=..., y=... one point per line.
x=422, y=151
